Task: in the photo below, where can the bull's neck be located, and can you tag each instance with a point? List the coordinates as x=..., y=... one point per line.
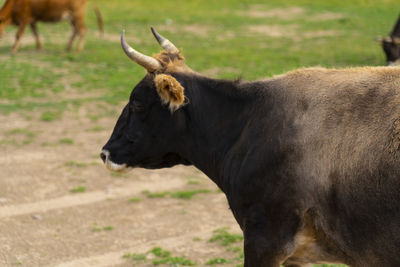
x=217, y=114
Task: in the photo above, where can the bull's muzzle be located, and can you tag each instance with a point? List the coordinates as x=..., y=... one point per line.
x=112, y=166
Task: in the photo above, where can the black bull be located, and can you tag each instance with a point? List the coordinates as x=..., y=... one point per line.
x=309, y=161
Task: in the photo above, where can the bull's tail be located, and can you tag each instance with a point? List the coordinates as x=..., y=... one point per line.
x=99, y=18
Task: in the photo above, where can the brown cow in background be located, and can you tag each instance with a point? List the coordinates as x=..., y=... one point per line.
x=24, y=12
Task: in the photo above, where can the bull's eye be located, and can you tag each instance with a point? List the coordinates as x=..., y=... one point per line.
x=137, y=106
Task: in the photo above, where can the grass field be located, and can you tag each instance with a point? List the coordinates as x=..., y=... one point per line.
x=224, y=39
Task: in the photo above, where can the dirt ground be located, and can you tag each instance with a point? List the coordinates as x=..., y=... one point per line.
x=44, y=222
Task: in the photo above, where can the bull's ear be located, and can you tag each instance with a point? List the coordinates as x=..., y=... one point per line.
x=170, y=91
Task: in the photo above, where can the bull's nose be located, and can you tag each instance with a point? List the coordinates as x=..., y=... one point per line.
x=104, y=155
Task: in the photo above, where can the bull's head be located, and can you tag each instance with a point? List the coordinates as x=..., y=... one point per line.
x=149, y=129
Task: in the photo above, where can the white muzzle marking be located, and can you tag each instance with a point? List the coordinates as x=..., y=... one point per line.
x=112, y=166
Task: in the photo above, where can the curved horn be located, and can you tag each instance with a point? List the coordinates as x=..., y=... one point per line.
x=165, y=43
x=149, y=63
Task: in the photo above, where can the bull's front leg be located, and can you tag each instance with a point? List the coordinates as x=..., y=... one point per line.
x=268, y=238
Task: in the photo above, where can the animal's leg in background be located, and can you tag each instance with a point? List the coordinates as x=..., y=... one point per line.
x=268, y=241
x=74, y=34
x=36, y=34
x=81, y=29
x=20, y=31
x=3, y=24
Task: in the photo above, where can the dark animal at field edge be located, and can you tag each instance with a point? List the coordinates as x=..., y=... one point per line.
x=24, y=12
x=309, y=161
x=391, y=45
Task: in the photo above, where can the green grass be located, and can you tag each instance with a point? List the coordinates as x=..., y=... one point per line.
x=135, y=199
x=97, y=128
x=135, y=256
x=161, y=253
x=233, y=245
x=160, y=256
x=25, y=132
x=66, y=141
x=188, y=194
x=235, y=249
x=214, y=261
x=105, y=228
x=224, y=237
x=157, y=194
x=76, y=164
x=164, y=257
x=28, y=136
x=213, y=34
x=50, y=115
x=118, y=174
x=8, y=142
x=178, y=194
x=78, y=189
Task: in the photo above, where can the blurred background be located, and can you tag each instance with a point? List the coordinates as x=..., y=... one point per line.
x=58, y=204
